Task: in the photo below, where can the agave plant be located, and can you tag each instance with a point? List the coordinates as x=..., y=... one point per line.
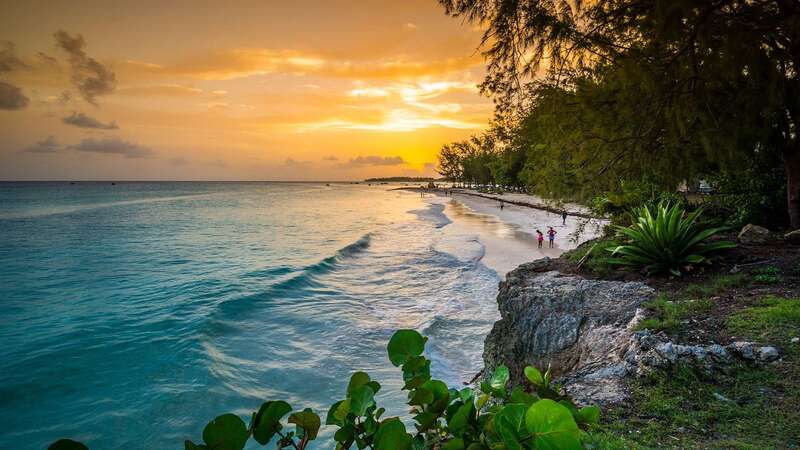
x=664, y=238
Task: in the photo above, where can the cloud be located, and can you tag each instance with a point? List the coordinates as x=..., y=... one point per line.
x=219, y=163
x=178, y=161
x=47, y=59
x=330, y=158
x=91, y=78
x=165, y=90
x=81, y=120
x=364, y=161
x=239, y=63
x=291, y=162
x=11, y=97
x=8, y=60
x=113, y=146
x=48, y=145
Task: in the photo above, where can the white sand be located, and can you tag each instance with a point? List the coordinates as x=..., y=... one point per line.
x=509, y=235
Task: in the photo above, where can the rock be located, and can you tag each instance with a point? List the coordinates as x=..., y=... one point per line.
x=579, y=327
x=584, y=330
x=792, y=236
x=768, y=354
x=754, y=234
x=745, y=350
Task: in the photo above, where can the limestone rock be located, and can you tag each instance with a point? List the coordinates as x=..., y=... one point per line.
x=754, y=234
x=578, y=327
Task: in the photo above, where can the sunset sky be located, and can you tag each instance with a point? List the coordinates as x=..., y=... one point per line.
x=235, y=90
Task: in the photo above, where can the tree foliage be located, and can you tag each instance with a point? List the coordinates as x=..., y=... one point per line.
x=668, y=91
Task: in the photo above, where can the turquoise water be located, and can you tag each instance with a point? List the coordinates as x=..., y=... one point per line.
x=135, y=313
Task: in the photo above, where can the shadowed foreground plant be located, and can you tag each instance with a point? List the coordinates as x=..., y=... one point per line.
x=444, y=418
x=663, y=238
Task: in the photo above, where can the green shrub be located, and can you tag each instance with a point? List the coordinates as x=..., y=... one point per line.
x=664, y=238
x=448, y=419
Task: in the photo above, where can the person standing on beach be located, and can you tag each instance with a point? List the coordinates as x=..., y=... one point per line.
x=551, y=235
x=502, y=205
x=564, y=218
x=539, y=237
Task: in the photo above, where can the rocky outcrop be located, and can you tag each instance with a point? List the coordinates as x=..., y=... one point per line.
x=585, y=331
x=578, y=327
x=754, y=234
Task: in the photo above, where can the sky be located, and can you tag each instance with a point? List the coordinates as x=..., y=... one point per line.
x=233, y=90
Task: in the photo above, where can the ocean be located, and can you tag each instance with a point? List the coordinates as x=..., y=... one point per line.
x=135, y=313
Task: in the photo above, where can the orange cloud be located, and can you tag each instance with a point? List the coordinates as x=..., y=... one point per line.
x=240, y=63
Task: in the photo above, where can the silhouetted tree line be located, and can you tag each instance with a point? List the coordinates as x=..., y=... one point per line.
x=594, y=99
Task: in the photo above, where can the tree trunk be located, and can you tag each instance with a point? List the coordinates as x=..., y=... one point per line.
x=791, y=159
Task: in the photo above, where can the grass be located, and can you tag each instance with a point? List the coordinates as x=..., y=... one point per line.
x=754, y=408
x=716, y=285
x=774, y=319
x=667, y=314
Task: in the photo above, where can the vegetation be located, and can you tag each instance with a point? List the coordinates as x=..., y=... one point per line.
x=448, y=419
x=595, y=97
x=750, y=408
x=664, y=238
x=401, y=179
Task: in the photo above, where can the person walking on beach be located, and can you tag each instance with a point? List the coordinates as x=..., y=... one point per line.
x=551, y=235
x=502, y=205
x=539, y=237
x=564, y=218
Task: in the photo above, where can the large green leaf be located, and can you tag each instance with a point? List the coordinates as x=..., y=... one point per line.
x=226, y=432
x=404, y=345
x=533, y=375
x=356, y=380
x=499, y=380
x=268, y=420
x=332, y=417
x=361, y=399
x=552, y=426
x=392, y=435
x=588, y=414
x=441, y=395
x=509, y=424
x=306, y=421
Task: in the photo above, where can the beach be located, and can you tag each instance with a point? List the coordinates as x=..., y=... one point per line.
x=508, y=235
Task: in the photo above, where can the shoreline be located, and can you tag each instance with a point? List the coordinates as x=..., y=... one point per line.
x=508, y=235
x=524, y=200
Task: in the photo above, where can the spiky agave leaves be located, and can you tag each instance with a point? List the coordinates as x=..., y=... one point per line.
x=664, y=238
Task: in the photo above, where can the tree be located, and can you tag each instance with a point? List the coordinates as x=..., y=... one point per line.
x=679, y=89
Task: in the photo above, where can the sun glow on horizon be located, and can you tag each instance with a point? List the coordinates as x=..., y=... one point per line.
x=272, y=91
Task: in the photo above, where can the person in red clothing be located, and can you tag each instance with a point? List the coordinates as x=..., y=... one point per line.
x=551, y=235
x=539, y=237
